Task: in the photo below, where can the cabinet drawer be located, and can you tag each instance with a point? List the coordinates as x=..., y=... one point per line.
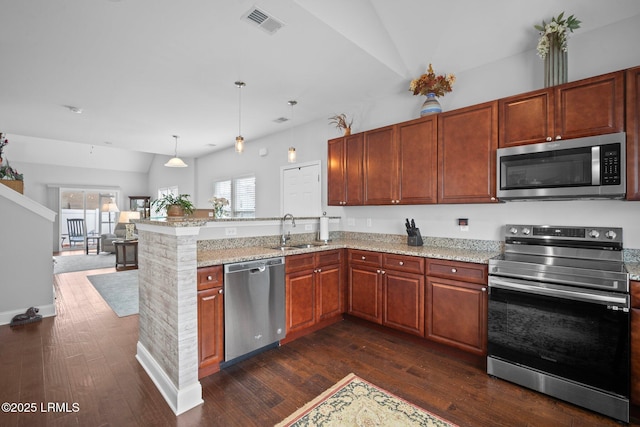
x=365, y=258
x=406, y=263
x=299, y=262
x=329, y=257
x=467, y=271
x=208, y=277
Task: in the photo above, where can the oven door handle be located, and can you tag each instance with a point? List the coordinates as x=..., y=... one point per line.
x=620, y=301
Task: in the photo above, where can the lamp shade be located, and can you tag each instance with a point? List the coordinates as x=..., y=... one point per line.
x=110, y=207
x=175, y=162
x=127, y=216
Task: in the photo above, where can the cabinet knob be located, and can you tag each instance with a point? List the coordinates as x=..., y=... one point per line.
x=209, y=278
x=378, y=271
x=221, y=291
x=484, y=289
x=454, y=270
x=364, y=257
x=549, y=139
x=319, y=270
x=401, y=263
x=383, y=272
x=558, y=137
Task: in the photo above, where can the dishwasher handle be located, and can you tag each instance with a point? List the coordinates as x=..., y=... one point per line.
x=260, y=269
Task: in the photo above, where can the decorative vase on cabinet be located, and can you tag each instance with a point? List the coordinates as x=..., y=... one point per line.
x=555, y=64
x=430, y=105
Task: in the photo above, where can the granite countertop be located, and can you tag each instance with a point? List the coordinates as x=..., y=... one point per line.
x=208, y=258
x=634, y=270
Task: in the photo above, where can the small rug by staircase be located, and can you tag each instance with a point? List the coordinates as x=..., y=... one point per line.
x=66, y=264
x=119, y=290
x=355, y=402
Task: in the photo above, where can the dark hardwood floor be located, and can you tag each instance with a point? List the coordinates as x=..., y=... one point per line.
x=85, y=356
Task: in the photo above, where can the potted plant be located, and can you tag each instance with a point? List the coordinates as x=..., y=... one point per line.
x=179, y=205
x=342, y=123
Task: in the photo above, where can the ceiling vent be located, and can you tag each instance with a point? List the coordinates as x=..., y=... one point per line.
x=262, y=20
x=281, y=120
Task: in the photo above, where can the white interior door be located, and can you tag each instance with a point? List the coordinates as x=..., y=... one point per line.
x=301, y=189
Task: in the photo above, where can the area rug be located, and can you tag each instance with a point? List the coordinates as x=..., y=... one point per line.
x=66, y=264
x=119, y=290
x=356, y=402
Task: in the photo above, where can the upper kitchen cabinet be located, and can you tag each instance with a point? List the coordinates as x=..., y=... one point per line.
x=400, y=163
x=593, y=106
x=418, y=161
x=633, y=134
x=380, y=166
x=345, y=174
x=467, y=143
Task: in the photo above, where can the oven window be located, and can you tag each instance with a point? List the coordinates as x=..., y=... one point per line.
x=560, y=168
x=580, y=341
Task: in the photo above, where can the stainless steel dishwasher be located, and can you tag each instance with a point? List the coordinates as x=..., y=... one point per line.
x=254, y=307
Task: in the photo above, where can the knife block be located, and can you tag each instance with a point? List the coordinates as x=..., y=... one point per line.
x=415, y=240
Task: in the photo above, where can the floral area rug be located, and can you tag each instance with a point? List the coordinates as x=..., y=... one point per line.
x=356, y=402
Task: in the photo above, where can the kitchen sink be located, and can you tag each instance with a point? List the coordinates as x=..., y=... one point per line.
x=300, y=246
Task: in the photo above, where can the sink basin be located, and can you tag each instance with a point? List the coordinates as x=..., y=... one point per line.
x=284, y=248
x=300, y=246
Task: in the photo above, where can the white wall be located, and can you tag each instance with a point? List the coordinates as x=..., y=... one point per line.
x=26, y=265
x=605, y=50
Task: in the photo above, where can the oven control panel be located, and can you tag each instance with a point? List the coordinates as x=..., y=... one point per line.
x=549, y=233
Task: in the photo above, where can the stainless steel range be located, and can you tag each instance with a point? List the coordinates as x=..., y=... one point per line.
x=559, y=315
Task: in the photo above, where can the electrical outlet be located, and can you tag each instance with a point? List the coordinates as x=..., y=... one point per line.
x=463, y=223
x=210, y=214
x=231, y=231
x=369, y=222
x=351, y=222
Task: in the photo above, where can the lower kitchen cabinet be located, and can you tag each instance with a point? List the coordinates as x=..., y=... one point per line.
x=403, y=293
x=314, y=291
x=456, y=306
x=387, y=289
x=210, y=320
x=635, y=342
x=365, y=285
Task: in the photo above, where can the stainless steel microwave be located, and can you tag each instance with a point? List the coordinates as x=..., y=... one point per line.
x=583, y=168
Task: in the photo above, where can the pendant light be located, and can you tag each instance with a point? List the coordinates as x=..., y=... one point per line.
x=291, y=155
x=176, y=162
x=239, y=138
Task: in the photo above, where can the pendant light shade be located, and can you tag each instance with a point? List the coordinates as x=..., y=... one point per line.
x=239, y=139
x=176, y=162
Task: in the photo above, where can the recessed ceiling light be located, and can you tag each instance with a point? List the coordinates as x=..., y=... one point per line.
x=281, y=120
x=212, y=144
x=108, y=143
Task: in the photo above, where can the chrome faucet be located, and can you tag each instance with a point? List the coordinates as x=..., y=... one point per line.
x=287, y=237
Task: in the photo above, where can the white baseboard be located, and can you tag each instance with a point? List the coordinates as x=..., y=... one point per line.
x=48, y=310
x=179, y=400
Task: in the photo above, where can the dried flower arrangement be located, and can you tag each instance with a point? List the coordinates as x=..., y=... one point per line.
x=341, y=122
x=430, y=83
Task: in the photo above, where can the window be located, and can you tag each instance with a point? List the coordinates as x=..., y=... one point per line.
x=241, y=193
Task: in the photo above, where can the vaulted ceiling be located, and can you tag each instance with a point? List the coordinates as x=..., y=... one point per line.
x=144, y=70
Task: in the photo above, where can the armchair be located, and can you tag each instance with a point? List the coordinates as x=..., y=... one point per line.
x=106, y=240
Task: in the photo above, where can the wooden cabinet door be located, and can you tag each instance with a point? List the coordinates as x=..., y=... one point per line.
x=380, y=167
x=329, y=291
x=526, y=119
x=354, y=174
x=300, y=300
x=589, y=107
x=467, y=143
x=336, y=177
x=635, y=342
x=210, y=331
x=403, y=301
x=457, y=314
x=418, y=161
x=633, y=134
x=365, y=293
